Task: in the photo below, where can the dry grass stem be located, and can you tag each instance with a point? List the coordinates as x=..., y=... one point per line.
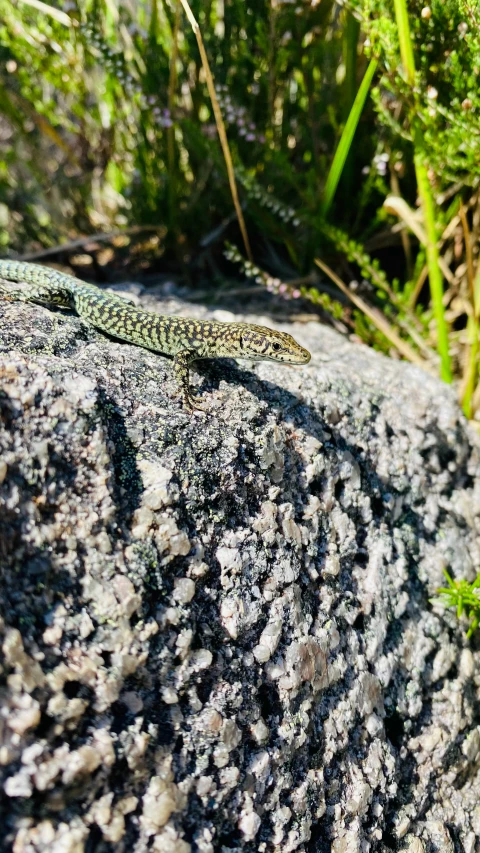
x=377, y=318
x=220, y=126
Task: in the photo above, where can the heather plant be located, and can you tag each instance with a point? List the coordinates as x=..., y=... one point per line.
x=444, y=97
x=432, y=102
x=114, y=96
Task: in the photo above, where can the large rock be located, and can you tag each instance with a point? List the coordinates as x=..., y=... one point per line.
x=216, y=631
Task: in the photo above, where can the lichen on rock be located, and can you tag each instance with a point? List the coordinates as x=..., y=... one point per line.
x=216, y=632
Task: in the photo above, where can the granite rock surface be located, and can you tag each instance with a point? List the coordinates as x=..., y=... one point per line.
x=216, y=632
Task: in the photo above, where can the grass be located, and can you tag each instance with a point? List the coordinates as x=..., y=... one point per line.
x=220, y=126
x=346, y=139
x=464, y=597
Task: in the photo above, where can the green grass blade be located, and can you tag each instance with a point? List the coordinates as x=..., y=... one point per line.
x=351, y=35
x=434, y=273
x=59, y=16
x=350, y=46
x=426, y=198
x=346, y=138
x=406, y=50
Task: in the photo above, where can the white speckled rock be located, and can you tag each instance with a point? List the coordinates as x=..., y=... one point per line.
x=216, y=632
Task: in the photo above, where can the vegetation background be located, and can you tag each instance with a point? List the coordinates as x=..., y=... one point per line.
x=353, y=130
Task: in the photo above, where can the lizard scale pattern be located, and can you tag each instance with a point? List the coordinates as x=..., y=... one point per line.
x=183, y=338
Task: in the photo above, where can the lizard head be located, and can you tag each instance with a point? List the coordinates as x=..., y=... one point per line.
x=261, y=343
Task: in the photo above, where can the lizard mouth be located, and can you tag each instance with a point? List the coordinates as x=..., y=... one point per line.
x=303, y=357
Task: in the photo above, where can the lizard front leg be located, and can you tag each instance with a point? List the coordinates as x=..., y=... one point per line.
x=181, y=364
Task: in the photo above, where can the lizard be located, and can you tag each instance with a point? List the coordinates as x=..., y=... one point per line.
x=184, y=338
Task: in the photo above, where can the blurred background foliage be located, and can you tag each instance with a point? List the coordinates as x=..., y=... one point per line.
x=107, y=128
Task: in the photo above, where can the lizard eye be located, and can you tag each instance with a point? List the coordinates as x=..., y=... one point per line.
x=276, y=347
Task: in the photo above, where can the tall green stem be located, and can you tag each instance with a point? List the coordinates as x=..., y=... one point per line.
x=434, y=273
x=426, y=198
x=406, y=50
x=351, y=35
x=346, y=138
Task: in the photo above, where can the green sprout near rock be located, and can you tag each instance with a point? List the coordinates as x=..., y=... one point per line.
x=464, y=596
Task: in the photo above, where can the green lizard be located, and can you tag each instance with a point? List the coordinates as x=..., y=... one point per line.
x=183, y=338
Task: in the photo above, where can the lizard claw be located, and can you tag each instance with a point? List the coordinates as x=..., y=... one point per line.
x=6, y=295
x=193, y=405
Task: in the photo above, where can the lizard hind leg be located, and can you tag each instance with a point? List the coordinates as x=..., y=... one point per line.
x=43, y=294
x=181, y=369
